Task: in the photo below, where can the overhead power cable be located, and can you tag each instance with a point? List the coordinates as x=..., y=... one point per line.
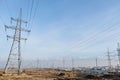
x=35, y=11
x=31, y=10
x=98, y=34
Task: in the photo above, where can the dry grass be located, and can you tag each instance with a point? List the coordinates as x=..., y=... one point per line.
x=45, y=74
x=34, y=74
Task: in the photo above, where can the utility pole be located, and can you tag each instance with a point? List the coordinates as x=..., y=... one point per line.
x=118, y=50
x=109, y=59
x=13, y=64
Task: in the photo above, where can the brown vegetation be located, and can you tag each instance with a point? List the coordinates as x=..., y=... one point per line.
x=51, y=74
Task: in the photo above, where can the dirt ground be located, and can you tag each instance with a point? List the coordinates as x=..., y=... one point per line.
x=48, y=74
x=35, y=74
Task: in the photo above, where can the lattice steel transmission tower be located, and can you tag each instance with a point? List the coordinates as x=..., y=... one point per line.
x=118, y=50
x=109, y=59
x=13, y=64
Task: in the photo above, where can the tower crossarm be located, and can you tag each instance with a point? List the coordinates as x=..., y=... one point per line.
x=18, y=20
x=12, y=27
x=16, y=38
x=26, y=30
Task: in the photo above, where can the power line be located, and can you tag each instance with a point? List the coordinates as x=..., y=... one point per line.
x=93, y=37
x=90, y=37
x=88, y=45
x=36, y=8
x=31, y=10
x=28, y=5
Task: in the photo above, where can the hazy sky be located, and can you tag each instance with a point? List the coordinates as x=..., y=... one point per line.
x=63, y=28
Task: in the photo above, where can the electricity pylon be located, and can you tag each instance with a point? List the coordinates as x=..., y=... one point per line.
x=13, y=64
x=109, y=59
x=118, y=49
x=96, y=62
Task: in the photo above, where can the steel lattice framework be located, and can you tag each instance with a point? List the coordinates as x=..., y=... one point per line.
x=13, y=64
